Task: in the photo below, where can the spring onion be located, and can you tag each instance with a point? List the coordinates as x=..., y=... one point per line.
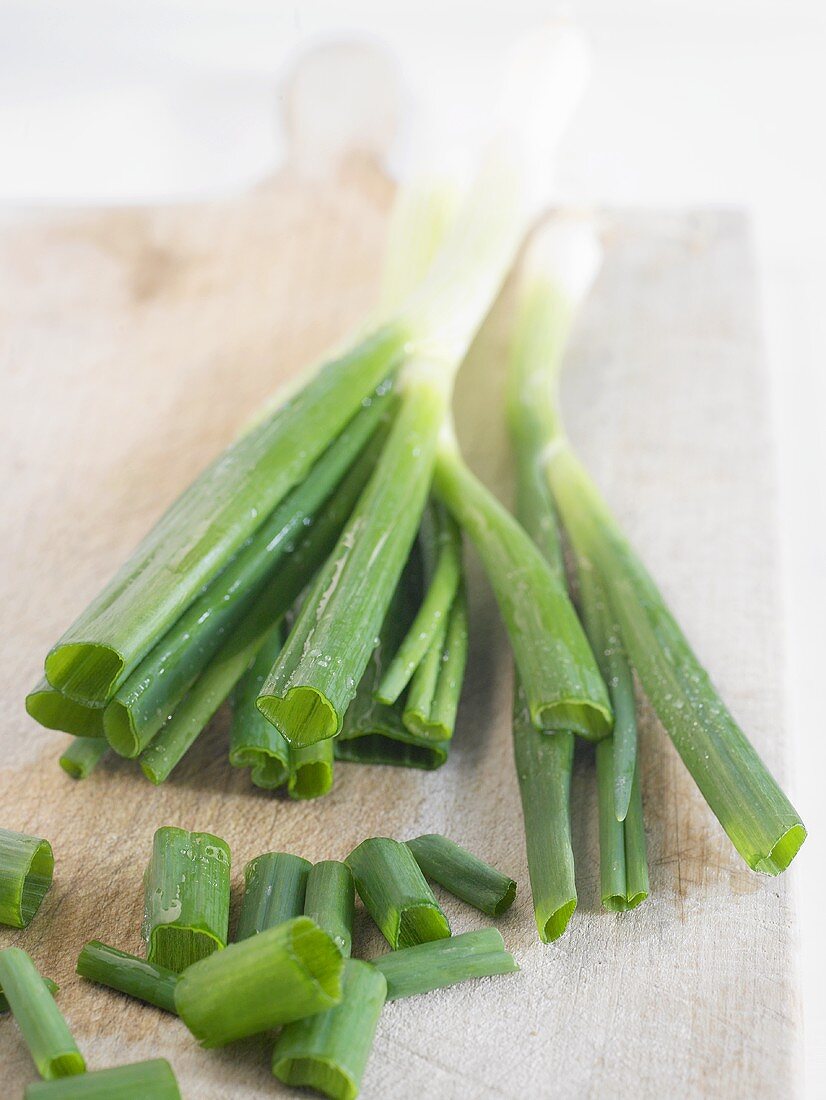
x=254, y=742
x=329, y=1052
x=55, y=711
x=232, y=661
x=622, y=848
x=53, y=1050
x=161, y=680
x=274, y=888
x=543, y=768
x=128, y=974
x=330, y=901
x=311, y=770
x=435, y=965
x=442, y=550
x=211, y=521
x=757, y=816
x=433, y=697
x=152, y=1080
x=395, y=893
x=82, y=755
x=49, y=984
x=26, y=870
x=463, y=874
x=285, y=973
x=186, y=889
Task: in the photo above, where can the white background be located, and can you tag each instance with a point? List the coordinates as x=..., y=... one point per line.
x=693, y=101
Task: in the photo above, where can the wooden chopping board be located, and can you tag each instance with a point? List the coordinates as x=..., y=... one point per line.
x=135, y=343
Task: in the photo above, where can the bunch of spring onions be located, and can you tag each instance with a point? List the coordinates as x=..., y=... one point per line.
x=629, y=627
x=290, y=573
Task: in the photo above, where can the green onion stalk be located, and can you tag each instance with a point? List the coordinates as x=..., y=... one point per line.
x=622, y=607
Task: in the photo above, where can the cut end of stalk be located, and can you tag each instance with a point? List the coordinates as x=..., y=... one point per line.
x=304, y=716
x=420, y=725
x=37, y=882
x=84, y=671
x=379, y=748
x=421, y=924
x=619, y=903
x=317, y=953
x=552, y=927
x=321, y=1074
x=120, y=731
x=55, y=712
x=506, y=901
x=783, y=852
x=177, y=948
x=580, y=716
x=311, y=780
x=64, y=1065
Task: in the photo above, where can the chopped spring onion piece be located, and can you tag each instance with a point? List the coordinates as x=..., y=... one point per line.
x=622, y=852
x=161, y=680
x=760, y=821
x=26, y=870
x=128, y=974
x=152, y=1080
x=226, y=668
x=311, y=770
x=562, y=683
x=285, y=973
x=52, y=709
x=430, y=966
x=433, y=697
x=395, y=893
x=53, y=1050
x=254, y=742
x=330, y=901
x=442, y=551
x=543, y=768
x=463, y=874
x=274, y=888
x=329, y=1052
x=82, y=755
x=49, y=984
x=186, y=889
x=318, y=671
x=328, y=648
x=212, y=520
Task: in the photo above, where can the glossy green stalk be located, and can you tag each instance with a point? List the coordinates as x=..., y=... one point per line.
x=622, y=849
x=274, y=888
x=395, y=893
x=441, y=544
x=211, y=521
x=317, y=673
x=82, y=755
x=53, y=1050
x=330, y=901
x=186, y=891
x=435, y=965
x=152, y=692
x=52, y=709
x=128, y=974
x=152, y=1080
x=543, y=767
x=329, y=1052
x=311, y=770
x=285, y=973
x=254, y=742
x=759, y=819
x=432, y=700
x=562, y=683
x=233, y=660
x=463, y=874
x=26, y=871
x=52, y=987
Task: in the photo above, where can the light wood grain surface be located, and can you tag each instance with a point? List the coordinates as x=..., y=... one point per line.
x=134, y=343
